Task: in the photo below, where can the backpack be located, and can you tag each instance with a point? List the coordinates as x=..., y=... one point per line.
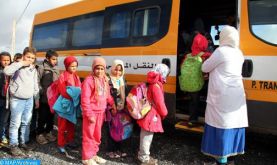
x=52, y=94
x=137, y=102
x=121, y=126
x=191, y=78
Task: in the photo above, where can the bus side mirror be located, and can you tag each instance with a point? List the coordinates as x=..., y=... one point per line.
x=247, y=68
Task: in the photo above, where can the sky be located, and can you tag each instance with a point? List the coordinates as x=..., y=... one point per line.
x=11, y=10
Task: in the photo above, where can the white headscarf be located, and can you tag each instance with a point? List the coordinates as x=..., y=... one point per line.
x=162, y=69
x=118, y=62
x=229, y=36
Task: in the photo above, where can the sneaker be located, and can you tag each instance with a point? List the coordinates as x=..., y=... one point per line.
x=15, y=151
x=62, y=150
x=50, y=137
x=4, y=142
x=89, y=162
x=99, y=160
x=26, y=147
x=41, y=139
x=151, y=161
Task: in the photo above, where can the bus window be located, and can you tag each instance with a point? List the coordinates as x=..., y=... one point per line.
x=146, y=22
x=52, y=36
x=120, y=25
x=87, y=31
x=263, y=19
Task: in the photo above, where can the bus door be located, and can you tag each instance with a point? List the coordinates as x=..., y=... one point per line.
x=207, y=18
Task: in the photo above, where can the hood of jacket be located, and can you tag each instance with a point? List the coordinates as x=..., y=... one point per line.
x=199, y=44
x=154, y=77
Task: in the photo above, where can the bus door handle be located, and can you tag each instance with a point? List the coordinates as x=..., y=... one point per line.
x=247, y=68
x=93, y=54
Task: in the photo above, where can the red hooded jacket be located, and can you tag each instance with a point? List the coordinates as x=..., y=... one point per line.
x=152, y=122
x=200, y=44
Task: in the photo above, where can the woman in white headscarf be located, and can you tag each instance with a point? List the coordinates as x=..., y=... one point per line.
x=226, y=111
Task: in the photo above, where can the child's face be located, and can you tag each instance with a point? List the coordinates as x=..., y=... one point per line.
x=72, y=68
x=5, y=61
x=29, y=57
x=99, y=71
x=117, y=71
x=53, y=60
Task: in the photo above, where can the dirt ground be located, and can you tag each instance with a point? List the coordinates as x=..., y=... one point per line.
x=174, y=147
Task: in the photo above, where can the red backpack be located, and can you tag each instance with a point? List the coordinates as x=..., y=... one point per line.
x=137, y=102
x=52, y=94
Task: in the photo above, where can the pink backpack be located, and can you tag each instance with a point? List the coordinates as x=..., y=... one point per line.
x=121, y=126
x=137, y=102
x=52, y=94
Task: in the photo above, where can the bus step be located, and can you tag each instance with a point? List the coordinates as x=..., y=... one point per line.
x=183, y=125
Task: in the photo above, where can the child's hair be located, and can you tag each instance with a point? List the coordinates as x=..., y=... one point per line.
x=29, y=50
x=17, y=56
x=5, y=54
x=50, y=53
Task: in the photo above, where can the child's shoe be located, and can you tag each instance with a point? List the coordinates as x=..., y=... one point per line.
x=27, y=148
x=41, y=139
x=99, y=160
x=62, y=150
x=151, y=161
x=15, y=151
x=4, y=142
x=89, y=162
x=50, y=137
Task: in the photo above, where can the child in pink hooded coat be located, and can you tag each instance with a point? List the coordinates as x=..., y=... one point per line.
x=94, y=98
x=152, y=122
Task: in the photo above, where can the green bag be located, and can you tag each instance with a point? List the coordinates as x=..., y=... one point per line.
x=191, y=78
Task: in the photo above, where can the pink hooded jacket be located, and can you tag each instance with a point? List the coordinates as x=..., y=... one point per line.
x=152, y=122
x=95, y=92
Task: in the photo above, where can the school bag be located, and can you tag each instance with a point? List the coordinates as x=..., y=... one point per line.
x=137, y=102
x=121, y=126
x=191, y=78
x=52, y=94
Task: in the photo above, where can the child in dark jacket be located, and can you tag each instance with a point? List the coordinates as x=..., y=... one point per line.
x=47, y=74
x=5, y=60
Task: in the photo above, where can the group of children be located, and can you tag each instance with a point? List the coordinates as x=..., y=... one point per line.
x=24, y=85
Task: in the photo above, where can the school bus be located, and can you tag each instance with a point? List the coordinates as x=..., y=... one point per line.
x=143, y=33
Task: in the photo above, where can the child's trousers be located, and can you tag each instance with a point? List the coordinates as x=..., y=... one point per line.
x=4, y=117
x=92, y=135
x=21, y=115
x=144, y=145
x=66, y=131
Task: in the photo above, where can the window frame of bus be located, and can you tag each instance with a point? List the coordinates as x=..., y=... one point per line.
x=165, y=8
x=66, y=21
x=70, y=22
x=88, y=15
x=251, y=28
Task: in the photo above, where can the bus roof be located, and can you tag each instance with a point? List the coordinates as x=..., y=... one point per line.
x=75, y=9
